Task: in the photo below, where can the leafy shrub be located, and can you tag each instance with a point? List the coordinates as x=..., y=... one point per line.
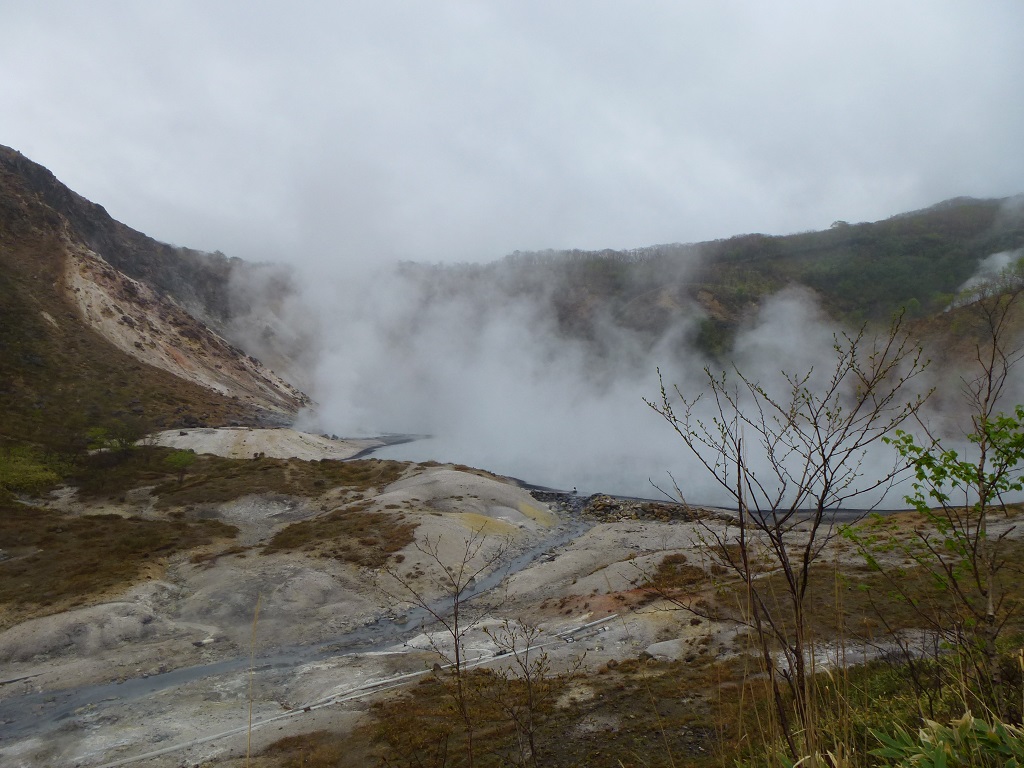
x=966, y=741
x=24, y=471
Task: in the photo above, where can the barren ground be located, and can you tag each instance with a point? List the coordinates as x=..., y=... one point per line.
x=309, y=669
x=233, y=645
x=282, y=443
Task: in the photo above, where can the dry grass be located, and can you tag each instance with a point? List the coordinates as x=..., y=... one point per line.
x=320, y=749
x=109, y=474
x=350, y=534
x=636, y=712
x=624, y=720
x=54, y=559
x=214, y=479
x=675, y=573
x=855, y=601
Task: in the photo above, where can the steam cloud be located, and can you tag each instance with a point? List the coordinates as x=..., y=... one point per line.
x=993, y=268
x=497, y=385
x=479, y=358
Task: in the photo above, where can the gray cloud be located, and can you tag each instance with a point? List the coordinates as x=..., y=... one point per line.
x=456, y=131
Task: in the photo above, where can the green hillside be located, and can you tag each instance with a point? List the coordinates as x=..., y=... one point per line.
x=859, y=272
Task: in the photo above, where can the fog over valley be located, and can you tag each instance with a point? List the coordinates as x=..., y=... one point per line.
x=343, y=140
x=519, y=368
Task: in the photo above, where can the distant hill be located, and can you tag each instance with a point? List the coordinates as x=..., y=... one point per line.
x=860, y=273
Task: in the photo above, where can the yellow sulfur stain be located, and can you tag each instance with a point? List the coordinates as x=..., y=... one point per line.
x=538, y=515
x=485, y=525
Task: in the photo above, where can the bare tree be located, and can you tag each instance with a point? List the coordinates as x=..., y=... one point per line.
x=525, y=687
x=811, y=437
x=444, y=596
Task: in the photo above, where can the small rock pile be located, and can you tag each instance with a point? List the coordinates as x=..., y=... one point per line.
x=568, y=503
x=609, y=509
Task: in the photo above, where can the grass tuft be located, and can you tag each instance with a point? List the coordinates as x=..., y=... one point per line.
x=350, y=534
x=53, y=559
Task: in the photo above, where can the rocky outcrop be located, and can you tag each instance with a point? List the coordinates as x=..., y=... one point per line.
x=611, y=509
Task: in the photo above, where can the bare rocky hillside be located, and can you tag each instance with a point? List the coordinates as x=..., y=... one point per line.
x=95, y=326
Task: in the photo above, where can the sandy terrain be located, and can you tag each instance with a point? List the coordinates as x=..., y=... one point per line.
x=244, y=442
x=325, y=630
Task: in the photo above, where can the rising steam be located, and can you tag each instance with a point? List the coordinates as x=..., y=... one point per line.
x=494, y=378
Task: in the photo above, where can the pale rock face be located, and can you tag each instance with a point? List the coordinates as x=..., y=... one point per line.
x=155, y=330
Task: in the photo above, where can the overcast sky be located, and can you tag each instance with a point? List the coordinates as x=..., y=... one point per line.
x=345, y=131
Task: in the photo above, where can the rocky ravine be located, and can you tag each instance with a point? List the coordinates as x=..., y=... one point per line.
x=154, y=329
